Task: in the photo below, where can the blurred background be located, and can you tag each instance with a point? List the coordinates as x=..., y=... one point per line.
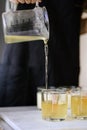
x=83, y=50
x=2, y=9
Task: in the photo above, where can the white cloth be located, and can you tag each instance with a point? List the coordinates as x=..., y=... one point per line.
x=30, y=119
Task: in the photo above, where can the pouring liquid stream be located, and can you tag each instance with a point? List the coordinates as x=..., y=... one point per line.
x=46, y=63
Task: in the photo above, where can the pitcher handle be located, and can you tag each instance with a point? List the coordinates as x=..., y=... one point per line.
x=10, y=6
x=37, y=4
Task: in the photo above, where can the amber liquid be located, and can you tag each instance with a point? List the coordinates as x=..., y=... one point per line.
x=75, y=106
x=46, y=109
x=83, y=106
x=15, y=39
x=59, y=111
x=46, y=64
x=54, y=111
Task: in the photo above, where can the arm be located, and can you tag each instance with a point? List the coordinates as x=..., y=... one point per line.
x=25, y=1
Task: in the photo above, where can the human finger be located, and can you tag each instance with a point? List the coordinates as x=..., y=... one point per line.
x=21, y=1
x=27, y=1
x=32, y=1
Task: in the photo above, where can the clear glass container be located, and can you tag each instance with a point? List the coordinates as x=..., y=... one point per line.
x=54, y=104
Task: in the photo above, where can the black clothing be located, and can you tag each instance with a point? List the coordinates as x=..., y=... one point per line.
x=22, y=65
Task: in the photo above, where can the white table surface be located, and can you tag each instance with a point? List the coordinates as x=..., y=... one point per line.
x=29, y=118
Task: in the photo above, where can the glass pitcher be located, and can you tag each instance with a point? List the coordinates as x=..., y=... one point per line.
x=26, y=25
